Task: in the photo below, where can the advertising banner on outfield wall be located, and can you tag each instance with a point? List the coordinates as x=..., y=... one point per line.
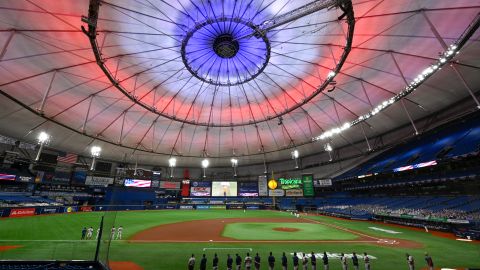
x=22, y=212
x=98, y=181
x=49, y=210
x=276, y=192
x=262, y=186
x=294, y=192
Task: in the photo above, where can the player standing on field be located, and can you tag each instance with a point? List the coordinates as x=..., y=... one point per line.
x=325, y=261
x=429, y=261
x=343, y=260
x=203, y=263
x=257, y=262
x=410, y=262
x=191, y=263
x=313, y=259
x=229, y=262
x=238, y=262
x=119, y=233
x=248, y=262
x=355, y=261
x=366, y=259
x=284, y=261
x=89, y=233
x=271, y=261
x=215, y=262
x=112, y=233
x=84, y=232
x=305, y=262
x=98, y=233
x=295, y=261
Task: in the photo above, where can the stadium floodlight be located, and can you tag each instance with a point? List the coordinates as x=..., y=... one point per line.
x=43, y=138
x=172, y=162
x=95, y=152
x=205, y=163
x=234, y=165
x=331, y=74
x=328, y=147
x=295, y=155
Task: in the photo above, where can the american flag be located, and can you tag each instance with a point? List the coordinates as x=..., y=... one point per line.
x=68, y=158
x=9, y=177
x=137, y=183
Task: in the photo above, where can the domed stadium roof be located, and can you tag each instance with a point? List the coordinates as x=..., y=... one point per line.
x=218, y=79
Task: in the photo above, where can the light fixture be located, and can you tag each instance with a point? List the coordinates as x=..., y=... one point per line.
x=328, y=147
x=295, y=155
x=443, y=59
x=95, y=153
x=43, y=138
x=172, y=162
x=234, y=165
x=205, y=163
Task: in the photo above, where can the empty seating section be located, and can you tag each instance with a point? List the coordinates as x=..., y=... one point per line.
x=12, y=265
x=23, y=199
x=450, y=141
x=459, y=207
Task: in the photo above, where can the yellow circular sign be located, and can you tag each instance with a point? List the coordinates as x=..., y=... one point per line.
x=272, y=184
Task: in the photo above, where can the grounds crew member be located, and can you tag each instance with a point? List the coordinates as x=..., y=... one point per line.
x=271, y=261
x=355, y=261
x=366, y=259
x=284, y=261
x=313, y=259
x=295, y=261
x=215, y=262
x=238, y=262
x=429, y=261
x=257, y=262
x=203, y=263
x=325, y=261
x=229, y=262
x=191, y=263
x=248, y=262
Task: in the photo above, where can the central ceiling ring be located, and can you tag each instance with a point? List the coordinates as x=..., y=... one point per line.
x=216, y=52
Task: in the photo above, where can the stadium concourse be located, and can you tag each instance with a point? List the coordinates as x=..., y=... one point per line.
x=245, y=134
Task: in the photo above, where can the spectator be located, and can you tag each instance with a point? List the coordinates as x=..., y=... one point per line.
x=191, y=263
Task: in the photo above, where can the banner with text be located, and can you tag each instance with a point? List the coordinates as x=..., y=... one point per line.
x=262, y=186
x=98, y=181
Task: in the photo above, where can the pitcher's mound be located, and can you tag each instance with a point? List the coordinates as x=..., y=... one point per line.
x=286, y=229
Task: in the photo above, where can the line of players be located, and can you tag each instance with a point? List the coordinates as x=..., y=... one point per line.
x=115, y=234
x=255, y=262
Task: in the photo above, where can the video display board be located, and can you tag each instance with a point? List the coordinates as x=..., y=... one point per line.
x=200, y=189
x=137, y=183
x=248, y=189
x=224, y=189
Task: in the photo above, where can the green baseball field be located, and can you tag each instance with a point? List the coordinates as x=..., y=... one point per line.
x=166, y=239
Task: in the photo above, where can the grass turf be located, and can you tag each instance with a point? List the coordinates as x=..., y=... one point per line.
x=42, y=229
x=265, y=231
